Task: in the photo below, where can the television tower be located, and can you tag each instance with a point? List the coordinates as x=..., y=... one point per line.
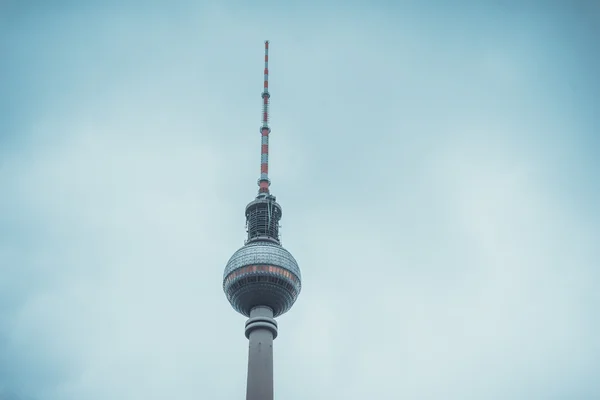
x=262, y=280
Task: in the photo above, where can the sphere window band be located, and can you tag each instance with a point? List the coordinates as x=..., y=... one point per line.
x=262, y=268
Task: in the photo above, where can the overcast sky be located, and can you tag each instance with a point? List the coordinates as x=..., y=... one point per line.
x=437, y=167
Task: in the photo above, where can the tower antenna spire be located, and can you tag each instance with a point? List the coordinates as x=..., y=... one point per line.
x=264, y=182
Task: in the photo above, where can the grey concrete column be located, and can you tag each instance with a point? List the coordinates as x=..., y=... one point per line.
x=261, y=329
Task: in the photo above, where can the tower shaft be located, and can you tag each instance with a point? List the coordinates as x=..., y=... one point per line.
x=261, y=329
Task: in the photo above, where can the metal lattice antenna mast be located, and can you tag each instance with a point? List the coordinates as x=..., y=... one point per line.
x=264, y=182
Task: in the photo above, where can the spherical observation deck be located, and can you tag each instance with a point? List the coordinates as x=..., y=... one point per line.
x=262, y=273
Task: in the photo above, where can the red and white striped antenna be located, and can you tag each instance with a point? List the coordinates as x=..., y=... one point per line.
x=264, y=182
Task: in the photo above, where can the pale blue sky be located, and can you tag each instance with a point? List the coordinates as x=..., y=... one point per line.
x=437, y=166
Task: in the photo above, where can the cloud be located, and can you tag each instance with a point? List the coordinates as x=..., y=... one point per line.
x=423, y=173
